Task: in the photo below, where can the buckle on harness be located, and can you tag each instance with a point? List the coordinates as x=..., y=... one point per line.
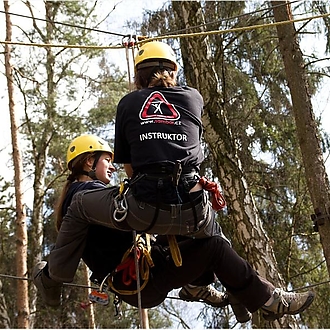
x=177, y=170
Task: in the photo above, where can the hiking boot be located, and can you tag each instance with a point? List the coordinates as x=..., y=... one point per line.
x=49, y=289
x=206, y=294
x=287, y=303
x=241, y=313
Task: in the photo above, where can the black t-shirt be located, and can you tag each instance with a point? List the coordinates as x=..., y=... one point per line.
x=159, y=124
x=105, y=247
x=79, y=186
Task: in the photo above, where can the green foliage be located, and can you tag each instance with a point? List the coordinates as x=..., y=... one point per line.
x=108, y=88
x=7, y=244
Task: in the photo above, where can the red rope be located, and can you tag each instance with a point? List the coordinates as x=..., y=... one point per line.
x=218, y=201
x=128, y=268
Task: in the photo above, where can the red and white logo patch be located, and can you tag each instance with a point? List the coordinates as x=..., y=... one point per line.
x=157, y=107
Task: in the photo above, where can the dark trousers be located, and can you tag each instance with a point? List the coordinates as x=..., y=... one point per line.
x=200, y=257
x=96, y=207
x=212, y=254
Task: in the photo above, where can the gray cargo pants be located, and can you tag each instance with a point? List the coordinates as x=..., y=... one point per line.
x=97, y=207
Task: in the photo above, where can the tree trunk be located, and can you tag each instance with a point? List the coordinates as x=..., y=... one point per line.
x=90, y=310
x=41, y=148
x=145, y=319
x=200, y=73
x=22, y=298
x=307, y=130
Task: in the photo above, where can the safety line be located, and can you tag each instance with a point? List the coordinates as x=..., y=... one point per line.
x=122, y=35
x=221, y=20
x=64, y=24
x=172, y=36
x=138, y=284
x=59, y=45
x=238, y=29
x=65, y=284
x=93, y=287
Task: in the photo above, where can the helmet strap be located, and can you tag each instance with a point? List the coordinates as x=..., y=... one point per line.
x=96, y=159
x=92, y=173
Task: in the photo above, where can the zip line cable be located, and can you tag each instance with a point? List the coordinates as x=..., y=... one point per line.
x=238, y=29
x=64, y=284
x=82, y=286
x=122, y=35
x=65, y=24
x=220, y=20
x=142, y=39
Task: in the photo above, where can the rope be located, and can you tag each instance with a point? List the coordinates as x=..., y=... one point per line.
x=129, y=42
x=64, y=24
x=238, y=29
x=175, y=250
x=168, y=297
x=59, y=45
x=64, y=284
x=142, y=39
x=218, y=201
x=127, y=266
x=131, y=269
x=138, y=284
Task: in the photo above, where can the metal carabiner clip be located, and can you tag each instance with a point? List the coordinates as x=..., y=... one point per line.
x=121, y=208
x=118, y=218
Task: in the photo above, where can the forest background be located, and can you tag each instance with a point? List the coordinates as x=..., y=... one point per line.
x=252, y=142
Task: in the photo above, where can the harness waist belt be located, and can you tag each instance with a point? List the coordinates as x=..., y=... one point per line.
x=156, y=176
x=185, y=206
x=167, y=169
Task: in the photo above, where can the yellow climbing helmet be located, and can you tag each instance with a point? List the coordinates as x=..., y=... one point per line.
x=86, y=143
x=157, y=51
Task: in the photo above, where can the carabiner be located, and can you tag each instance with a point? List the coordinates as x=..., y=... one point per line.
x=121, y=208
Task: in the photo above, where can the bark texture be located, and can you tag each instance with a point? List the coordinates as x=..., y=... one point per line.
x=22, y=298
x=200, y=73
x=307, y=130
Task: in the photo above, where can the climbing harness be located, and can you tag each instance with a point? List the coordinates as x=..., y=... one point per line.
x=173, y=172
